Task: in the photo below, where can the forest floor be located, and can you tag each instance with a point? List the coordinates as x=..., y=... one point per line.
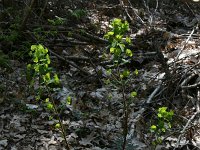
x=94, y=118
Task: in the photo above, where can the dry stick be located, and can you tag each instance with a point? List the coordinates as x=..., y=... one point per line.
x=189, y=121
x=184, y=83
x=198, y=99
x=126, y=10
x=191, y=86
x=177, y=57
x=147, y=7
x=94, y=37
x=185, y=128
x=43, y=9
x=69, y=62
x=142, y=110
x=97, y=73
x=77, y=58
x=181, y=50
x=27, y=12
x=135, y=12
x=187, y=79
x=171, y=63
x=148, y=101
x=185, y=74
x=156, y=5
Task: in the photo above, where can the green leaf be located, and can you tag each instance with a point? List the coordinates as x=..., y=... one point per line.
x=107, y=81
x=162, y=110
x=46, y=77
x=171, y=113
x=118, y=37
x=169, y=125
x=136, y=72
x=163, y=130
x=69, y=100
x=122, y=46
x=114, y=43
x=160, y=115
x=33, y=47
x=110, y=33
x=29, y=67
x=49, y=106
x=35, y=59
x=154, y=143
x=126, y=73
x=57, y=125
x=116, y=21
x=108, y=71
x=129, y=53
x=117, y=52
x=128, y=40
x=153, y=128
x=56, y=79
x=37, y=97
x=48, y=59
x=133, y=94
x=161, y=124
x=112, y=50
x=159, y=140
x=40, y=47
x=50, y=117
x=46, y=100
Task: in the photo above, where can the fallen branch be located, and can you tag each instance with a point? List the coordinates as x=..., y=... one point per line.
x=185, y=128
x=69, y=62
x=183, y=47
x=191, y=86
x=143, y=109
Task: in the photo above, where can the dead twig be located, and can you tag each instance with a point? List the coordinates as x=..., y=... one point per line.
x=191, y=86
x=183, y=47
x=185, y=128
x=69, y=62
x=27, y=13
x=143, y=109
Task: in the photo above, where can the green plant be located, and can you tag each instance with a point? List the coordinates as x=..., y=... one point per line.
x=57, y=21
x=39, y=73
x=117, y=44
x=121, y=77
x=4, y=61
x=163, y=124
x=41, y=35
x=78, y=13
x=11, y=33
x=11, y=37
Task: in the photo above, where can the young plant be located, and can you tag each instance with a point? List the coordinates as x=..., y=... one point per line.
x=121, y=77
x=41, y=34
x=163, y=124
x=40, y=75
x=78, y=13
x=57, y=21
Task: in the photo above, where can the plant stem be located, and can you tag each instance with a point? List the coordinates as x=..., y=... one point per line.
x=125, y=111
x=62, y=129
x=61, y=126
x=125, y=122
